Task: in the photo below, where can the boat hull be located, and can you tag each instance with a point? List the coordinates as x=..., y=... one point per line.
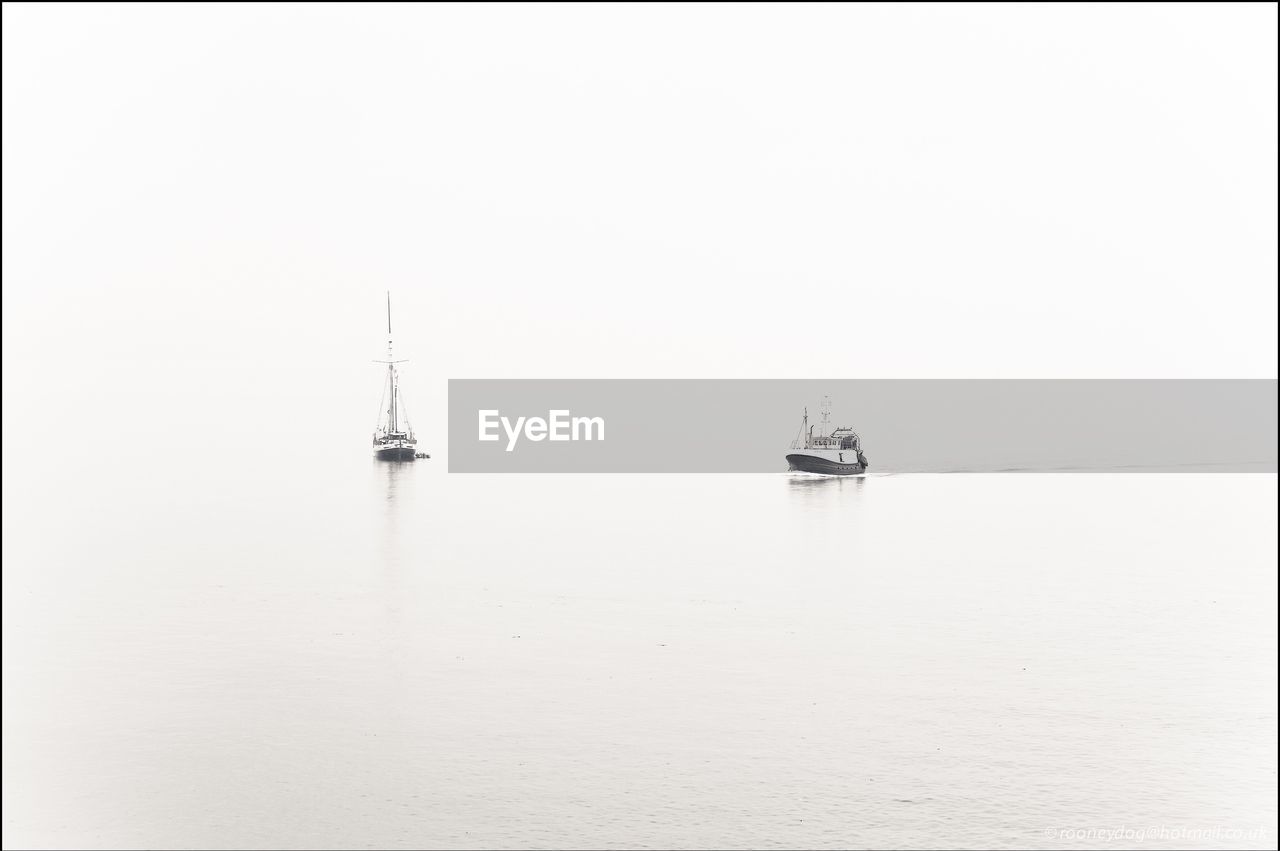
x=394, y=453
x=808, y=462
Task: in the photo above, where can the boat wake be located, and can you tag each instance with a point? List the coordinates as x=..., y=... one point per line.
x=801, y=474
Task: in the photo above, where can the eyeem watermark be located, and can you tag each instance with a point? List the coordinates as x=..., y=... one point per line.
x=559, y=425
x=905, y=426
x=1155, y=833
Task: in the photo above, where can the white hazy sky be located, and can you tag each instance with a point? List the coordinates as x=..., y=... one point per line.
x=221, y=194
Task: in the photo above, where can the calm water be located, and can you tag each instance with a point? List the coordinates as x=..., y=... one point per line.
x=233, y=651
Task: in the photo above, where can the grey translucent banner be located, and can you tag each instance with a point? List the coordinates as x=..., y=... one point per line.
x=906, y=426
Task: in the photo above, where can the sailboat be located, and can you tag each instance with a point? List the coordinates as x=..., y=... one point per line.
x=393, y=438
x=831, y=453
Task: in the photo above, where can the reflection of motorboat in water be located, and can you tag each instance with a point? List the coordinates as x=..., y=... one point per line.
x=819, y=488
x=834, y=453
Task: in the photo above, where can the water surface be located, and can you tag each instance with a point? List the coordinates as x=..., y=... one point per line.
x=234, y=651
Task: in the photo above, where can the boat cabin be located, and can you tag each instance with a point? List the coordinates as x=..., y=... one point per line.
x=847, y=438
x=841, y=438
x=394, y=437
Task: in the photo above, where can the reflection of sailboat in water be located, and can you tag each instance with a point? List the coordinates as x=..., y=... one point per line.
x=396, y=487
x=393, y=438
x=394, y=483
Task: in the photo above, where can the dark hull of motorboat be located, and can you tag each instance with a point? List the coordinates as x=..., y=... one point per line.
x=813, y=464
x=394, y=453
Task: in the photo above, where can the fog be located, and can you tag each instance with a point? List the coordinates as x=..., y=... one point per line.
x=204, y=205
x=227, y=625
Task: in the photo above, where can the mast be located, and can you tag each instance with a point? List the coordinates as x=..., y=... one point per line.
x=391, y=369
x=804, y=427
x=393, y=378
x=391, y=423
